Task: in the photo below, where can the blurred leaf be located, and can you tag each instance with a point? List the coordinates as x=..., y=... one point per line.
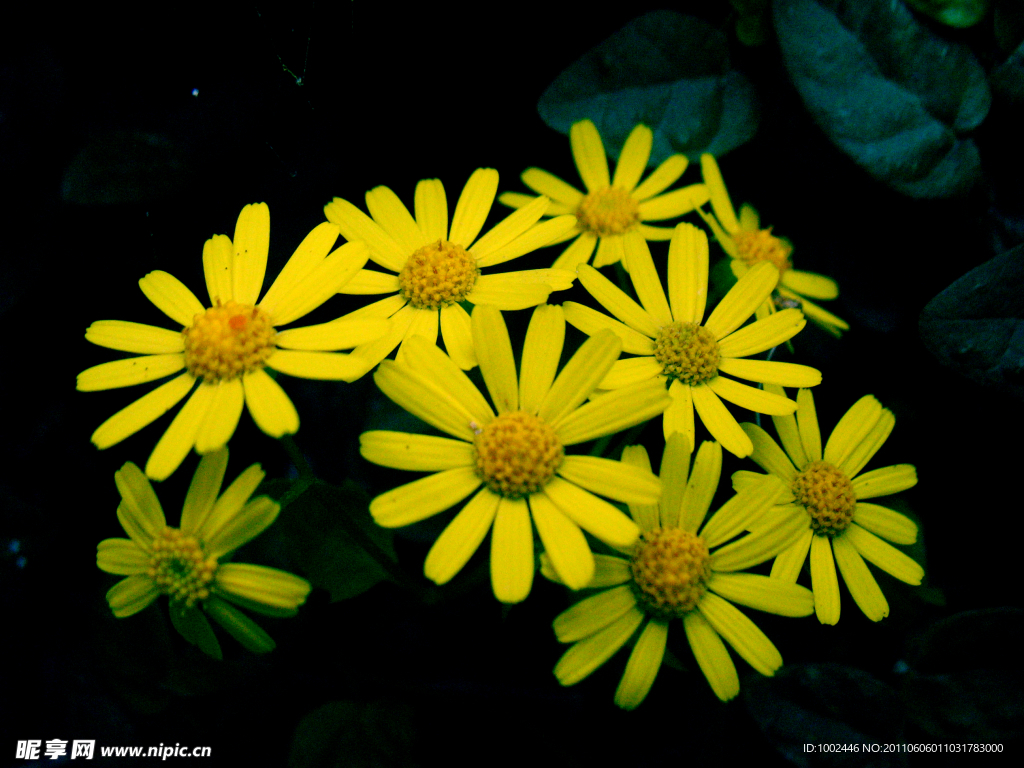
x=665, y=70
x=125, y=167
x=826, y=704
x=963, y=678
x=349, y=734
x=1008, y=78
x=887, y=91
x=976, y=325
x=330, y=534
x=954, y=13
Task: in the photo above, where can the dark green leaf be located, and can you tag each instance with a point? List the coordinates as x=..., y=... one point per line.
x=826, y=704
x=665, y=70
x=353, y=734
x=976, y=325
x=888, y=92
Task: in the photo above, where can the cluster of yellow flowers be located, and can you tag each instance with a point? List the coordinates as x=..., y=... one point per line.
x=663, y=352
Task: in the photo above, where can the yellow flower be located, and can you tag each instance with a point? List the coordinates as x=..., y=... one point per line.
x=671, y=344
x=183, y=563
x=680, y=569
x=826, y=494
x=437, y=267
x=747, y=244
x=517, y=455
x=611, y=208
x=226, y=347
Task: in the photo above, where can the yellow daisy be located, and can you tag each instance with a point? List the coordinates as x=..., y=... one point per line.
x=183, y=563
x=672, y=345
x=517, y=455
x=437, y=267
x=611, y=206
x=672, y=573
x=226, y=347
x=747, y=244
x=826, y=494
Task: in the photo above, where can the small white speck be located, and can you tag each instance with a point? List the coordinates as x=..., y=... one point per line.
x=195, y=92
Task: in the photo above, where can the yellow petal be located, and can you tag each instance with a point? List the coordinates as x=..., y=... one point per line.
x=268, y=404
x=461, y=538
x=395, y=219
x=853, y=427
x=456, y=330
x=771, y=372
x=180, y=436
x=431, y=205
x=141, y=504
x=810, y=284
x=203, y=490
x=588, y=152
x=251, y=244
x=884, y=555
x=423, y=498
x=824, y=581
x=592, y=514
x=678, y=417
x=743, y=298
x=613, y=412
x=720, y=202
x=371, y=281
x=142, y=412
x=885, y=522
x=338, y=334
x=674, y=203
x=580, y=376
x=807, y=423
x=751, y=398
x=134, y=337
x=661, y=178
x=311, y=252
x=636, y=151
x=262, y=584
x=590, y=653
x=218, y=257
x=417, y=453
x=221, y=417
x=885, y=481
x=122, y=557
x=542, y=351
x=512, y=563
x=643, y=665
x=763, y=593
x=741, y=633
x=549, y=185
x=767, y=453
x=645, y=279
x=509, y=228
x=425, y=358
x=357, y=226
x=129, y=372
x=564, y=543
x=862, y=585
x=551, y=232
x=473, y=206
x=615, y=300
x=590, y=321
x=712, y=656
x=131, y=595
x=688, y=273
x=720, y=423
x=171, y=297
x=494, y=353
x=763, y=334
x=320, y=284
x=612, y=479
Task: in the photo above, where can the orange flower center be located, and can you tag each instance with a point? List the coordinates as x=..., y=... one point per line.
x=610, y=211
x=671, y=568
x=517, y=454
x=179, y=567
x=687, y=352
x=437, y=275
x=228, y=340
x=827, y=495
x=761, y=245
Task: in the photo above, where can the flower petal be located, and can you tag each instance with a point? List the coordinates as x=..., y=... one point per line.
x=203, y=490
x=590, y=321
x=420, y=499
x=426, y=359
x=771, y=372
x=508, y=294
x=509, y=228
x=171, y=297
x=593, y=614
x=251, y=244
x=807, y=424
x=763, y=593
x=417, y=393
x=712, y=656
x=789, y=434
x=763, y=544
x=311, y=252
x=549, y=185
x=319, y=366
x=852, y=429
x=230, y=503
x=550, y=232
x=741, y=633
x=674, y=203
x=592, y=514
x=122, y=557
x=564, y=544
x=742, y=511
x=269, y=406
x=218, y=259
x=885, y=522
x=417, y=453
x=884, y=555
x=645, y=515
x=131, y=595
x=885, y=481
x=512, y=563
x=193, y=625
x=810, y=284
x=588, y=152
x=343, y=333
x=578, y=252
x=542, y=351
x=643, y=665
x=395, y=219
x=636, y=151
x=688, y=273
x=824, y=581
x=612, y=479
x=134, y=337
x=678, y=417
x=615, y=300
x=261, y=584
x=743, y=298
x=751, y=398
x=864, y=451
x=862, y=585
x=661, y=178
x=246, y=631
x=473, y=206
x=580, y=376
x=129, y=372
x=790, y=561
x=142, y=412
x=630, y=371
x=371, y=281
x=461, y=538
x=325, y=280
x=763, y=334
x=720, y=423
x=613, y=412
x=431, y=205
x=222, y=416
x=645, y=278
x=357, y=226
x=767, y=453
x=494, y=353
x=457, y=332
x=180, y=436
x=700, y=487
x=244, y=526
x=593, y=651
x=720, y=202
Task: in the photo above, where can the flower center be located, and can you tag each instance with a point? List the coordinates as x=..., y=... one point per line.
x=687, y=352
x=761, y=245
x=437, y=275
x=517, y=454
x=180, y=568
x=610, y=211
x=228, y=340
x=671, y=568
x=828, y=496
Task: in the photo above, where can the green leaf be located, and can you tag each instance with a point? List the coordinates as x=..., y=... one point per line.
x=665, y=70
x=954, y=13
x=888, y=92
x=826, y=704
x=350, y=734
x=976, y=325
x=963, y=677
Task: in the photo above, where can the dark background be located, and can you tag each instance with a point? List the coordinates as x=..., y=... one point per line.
x=128, y=138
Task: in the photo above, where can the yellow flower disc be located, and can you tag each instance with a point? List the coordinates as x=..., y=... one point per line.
x=761, y=245
x=670, y=568
x=228, y=340
x=179, y=567
x=827, y=494
x=610, y=211
x=687, y=352
x=437, y=275
x=517, y=454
